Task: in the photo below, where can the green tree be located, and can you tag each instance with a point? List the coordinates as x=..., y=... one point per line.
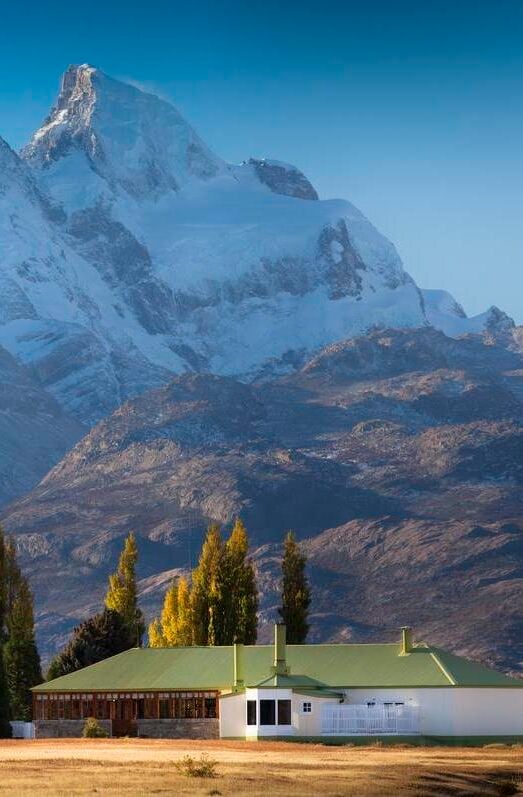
x=295, y=596
x=5, y=727
x=21, y=659
x=122, y=595
x=101, y=636
x=240, y=591
x=208, y=591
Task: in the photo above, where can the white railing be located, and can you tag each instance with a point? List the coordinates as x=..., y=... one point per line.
x=22, y=730
x=373, y=720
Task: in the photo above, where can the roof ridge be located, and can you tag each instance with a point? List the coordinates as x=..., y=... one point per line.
x=445, y=670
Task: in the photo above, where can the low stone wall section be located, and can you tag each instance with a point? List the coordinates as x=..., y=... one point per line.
x=179, y=729
x=63, y=729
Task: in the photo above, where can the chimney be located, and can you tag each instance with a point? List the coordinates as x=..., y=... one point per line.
x=280, y=650
x=406, y=640
x=238, y=665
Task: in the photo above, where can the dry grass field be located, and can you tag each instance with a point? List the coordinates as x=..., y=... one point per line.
x=147, y=767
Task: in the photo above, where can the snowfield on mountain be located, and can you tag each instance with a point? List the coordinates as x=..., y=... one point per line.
x=130, y=252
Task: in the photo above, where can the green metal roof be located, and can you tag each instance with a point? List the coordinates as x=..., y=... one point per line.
x=289, y=681
x=319, y=693
x=335, y=666
x=463, y=672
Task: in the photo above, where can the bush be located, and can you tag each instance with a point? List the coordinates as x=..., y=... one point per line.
x=93, y=729
x=192, y=768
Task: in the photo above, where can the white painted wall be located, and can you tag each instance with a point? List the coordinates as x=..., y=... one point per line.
x=453, y=711
x=488, y=712
x=309, y=724
x=233, y=716
x=456, y=711
x=258, y=731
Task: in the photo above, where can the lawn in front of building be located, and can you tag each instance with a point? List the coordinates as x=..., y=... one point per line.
x=146, y=767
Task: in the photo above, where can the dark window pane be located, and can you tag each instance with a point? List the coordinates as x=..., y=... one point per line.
x=251, y=712
x=210, y=707
x=267, y=712
x=284, y=712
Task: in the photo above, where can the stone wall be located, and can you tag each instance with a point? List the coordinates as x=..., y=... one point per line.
x=153, y=729
x=179, y=729
x=62, y=729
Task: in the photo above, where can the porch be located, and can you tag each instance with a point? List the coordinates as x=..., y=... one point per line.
x=149, y=714
x=372, y=719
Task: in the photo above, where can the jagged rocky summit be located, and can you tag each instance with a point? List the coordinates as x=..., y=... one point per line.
x=132, y=252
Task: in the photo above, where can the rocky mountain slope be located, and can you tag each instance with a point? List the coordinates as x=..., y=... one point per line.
x=129, y=251
x=34, y=430
x=130, y=254
x=397, y=456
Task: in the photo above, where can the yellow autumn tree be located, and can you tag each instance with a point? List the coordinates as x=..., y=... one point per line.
x=208, y=591
x=174, y=626
x=240, y=591
x=154, y=632
x=184, y=624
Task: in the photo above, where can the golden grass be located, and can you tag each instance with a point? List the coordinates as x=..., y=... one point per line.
x=272, y=769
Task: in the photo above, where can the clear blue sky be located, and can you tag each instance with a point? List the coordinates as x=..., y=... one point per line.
x=412, y=110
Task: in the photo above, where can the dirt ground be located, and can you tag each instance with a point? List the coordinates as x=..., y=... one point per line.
x=147, y=767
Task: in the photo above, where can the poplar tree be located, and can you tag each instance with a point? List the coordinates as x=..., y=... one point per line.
x=240, y=593
x=208, y=591
x=174, y=626
x=21, y=659
x=162, y=630
x=169, y=616
x=5, y=727
x=121, y=595
x=184, y=623
x=155, y=635
x=295, y=596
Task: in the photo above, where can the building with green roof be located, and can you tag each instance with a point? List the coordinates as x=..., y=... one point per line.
x=280, y=690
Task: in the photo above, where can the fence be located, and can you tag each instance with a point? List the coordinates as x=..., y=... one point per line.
x=23, y=730
x=370, y=720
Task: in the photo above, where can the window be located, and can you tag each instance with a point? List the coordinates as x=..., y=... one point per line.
x=284, y=712
x=210, y=708
x=267, y=712
x=306, y=708
x=251, y=712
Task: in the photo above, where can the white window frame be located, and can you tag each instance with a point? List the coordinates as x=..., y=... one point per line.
x=306, y=707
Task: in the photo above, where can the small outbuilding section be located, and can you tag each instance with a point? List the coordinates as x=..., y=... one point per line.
x=285, y=691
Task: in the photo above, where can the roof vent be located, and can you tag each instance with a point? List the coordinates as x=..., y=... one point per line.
x=406, y=641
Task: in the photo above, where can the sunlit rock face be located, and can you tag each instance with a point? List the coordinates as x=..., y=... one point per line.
x=122, y=227
x=130, y=252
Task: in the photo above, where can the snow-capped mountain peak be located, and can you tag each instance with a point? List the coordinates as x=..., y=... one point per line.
x=131, y=252
x=135, y=141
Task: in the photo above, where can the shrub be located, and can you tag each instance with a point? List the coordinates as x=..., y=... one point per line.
x=204, y=767
x=93, y=729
